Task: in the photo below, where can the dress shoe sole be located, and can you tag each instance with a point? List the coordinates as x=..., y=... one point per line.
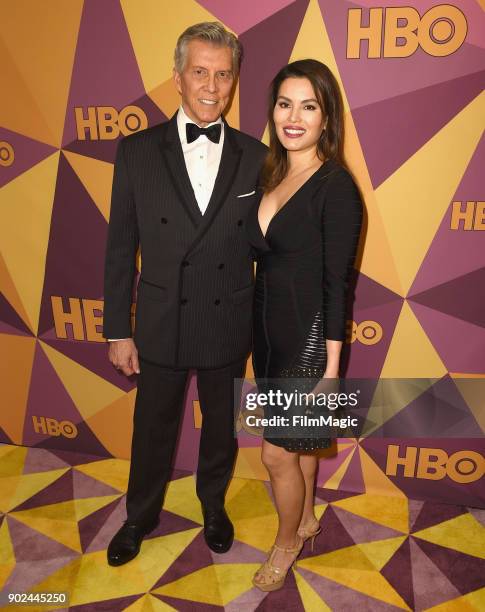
x=220, y=549
x=115, y=563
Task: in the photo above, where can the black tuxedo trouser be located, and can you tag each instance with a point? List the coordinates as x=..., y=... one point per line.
x=159, y=406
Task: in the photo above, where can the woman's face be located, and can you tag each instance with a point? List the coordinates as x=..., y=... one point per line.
x=298, y=117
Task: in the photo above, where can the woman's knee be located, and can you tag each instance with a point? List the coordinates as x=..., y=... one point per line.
x=275, y=458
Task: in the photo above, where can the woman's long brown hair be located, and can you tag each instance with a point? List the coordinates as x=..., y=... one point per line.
x=327, y=92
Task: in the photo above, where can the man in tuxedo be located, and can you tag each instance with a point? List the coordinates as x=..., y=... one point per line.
x=181, y=192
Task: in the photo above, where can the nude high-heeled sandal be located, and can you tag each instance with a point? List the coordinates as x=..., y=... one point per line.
x=273, y=576
x=309, y=532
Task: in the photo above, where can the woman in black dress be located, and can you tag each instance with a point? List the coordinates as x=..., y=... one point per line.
x=304, y=228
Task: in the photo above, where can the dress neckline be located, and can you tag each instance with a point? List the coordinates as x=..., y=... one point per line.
x=287, y=201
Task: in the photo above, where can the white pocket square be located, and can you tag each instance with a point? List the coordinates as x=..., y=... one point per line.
x=245, y=195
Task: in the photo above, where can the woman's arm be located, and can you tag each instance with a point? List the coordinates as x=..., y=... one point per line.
x=341, y=225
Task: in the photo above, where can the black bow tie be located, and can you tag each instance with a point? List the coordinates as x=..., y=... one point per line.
x=193, y=131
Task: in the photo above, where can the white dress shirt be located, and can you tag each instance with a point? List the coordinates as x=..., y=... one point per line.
x=202, y=159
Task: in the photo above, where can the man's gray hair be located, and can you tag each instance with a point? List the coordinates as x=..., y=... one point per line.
x=209, y=31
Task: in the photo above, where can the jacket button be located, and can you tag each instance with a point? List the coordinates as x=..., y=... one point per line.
x=164, y=220
x=217, y=302
x=184, y=301
x=240, y=222
x=185, y=263
x=220, y=266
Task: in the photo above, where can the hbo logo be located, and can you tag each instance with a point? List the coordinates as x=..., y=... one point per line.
x=52, y=427
x=106, y=123
x=400, y=30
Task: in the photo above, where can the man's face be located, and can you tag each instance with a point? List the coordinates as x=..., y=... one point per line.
x=206, y=81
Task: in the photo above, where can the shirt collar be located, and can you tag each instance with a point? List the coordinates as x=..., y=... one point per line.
x=183, y=119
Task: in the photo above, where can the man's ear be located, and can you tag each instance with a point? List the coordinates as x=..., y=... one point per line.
x=176, y=79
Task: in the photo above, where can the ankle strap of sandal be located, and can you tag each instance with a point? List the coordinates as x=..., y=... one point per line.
x=290, y=549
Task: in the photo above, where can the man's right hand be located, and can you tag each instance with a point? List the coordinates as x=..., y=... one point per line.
x=124, y=356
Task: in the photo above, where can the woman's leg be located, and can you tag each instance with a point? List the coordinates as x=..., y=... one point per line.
x=308, y=465
x=288, y=487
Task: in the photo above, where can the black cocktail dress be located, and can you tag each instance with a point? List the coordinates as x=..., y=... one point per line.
x=304, y=264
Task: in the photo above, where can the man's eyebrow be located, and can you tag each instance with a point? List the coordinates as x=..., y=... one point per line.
x=204, y=68
x=303, y=101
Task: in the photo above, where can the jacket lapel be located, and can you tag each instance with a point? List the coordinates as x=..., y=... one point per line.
x=228, y=167
x=172, y=153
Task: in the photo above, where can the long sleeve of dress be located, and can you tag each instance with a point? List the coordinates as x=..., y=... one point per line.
x=341, y=225
x=121, y=248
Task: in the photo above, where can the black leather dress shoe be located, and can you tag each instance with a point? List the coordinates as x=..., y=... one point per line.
x=218, y=529
x=126, y=542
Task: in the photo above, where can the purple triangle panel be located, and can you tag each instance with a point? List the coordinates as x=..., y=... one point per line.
x=375, y=303
x=333, y=536
x=445, y=490
x=75, y=255
x=105, y=150
x=462, y=297
x=79, y=457
x=256, y=75
x=46, y=384
x=240, y=553
x=94, y=357
x=431, y=586
x=27, y=574
x=21, y=152
x=375, y=328
x=4, y=438
x=105, y=71
x=238, y=16
x=248, y=601
x=331, y=495
x=362, y=530
x=454, y=253
x=172, y=523
x=461, y=347
x=119, y=603
x=196, y=556
x=177, y=474
x=392, y=130
x=10, y=322
x=367, y=81
x=287, y=598
x=91, y=525
x=369, y=293
x=397, y=571
x=463, y=571
x=353, y=479
x=40, y=460
x=185, y=605
x=330, y=461
x=414, y=508
x=433, y=513
x=439, y=412
x=61, y=490
x=32, y=545
x=85, y=486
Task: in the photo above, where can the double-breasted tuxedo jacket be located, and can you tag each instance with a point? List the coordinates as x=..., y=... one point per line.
x=193, y=303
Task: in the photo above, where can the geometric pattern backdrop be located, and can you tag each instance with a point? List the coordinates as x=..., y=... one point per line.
x=76, y=78
x=374, y=553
